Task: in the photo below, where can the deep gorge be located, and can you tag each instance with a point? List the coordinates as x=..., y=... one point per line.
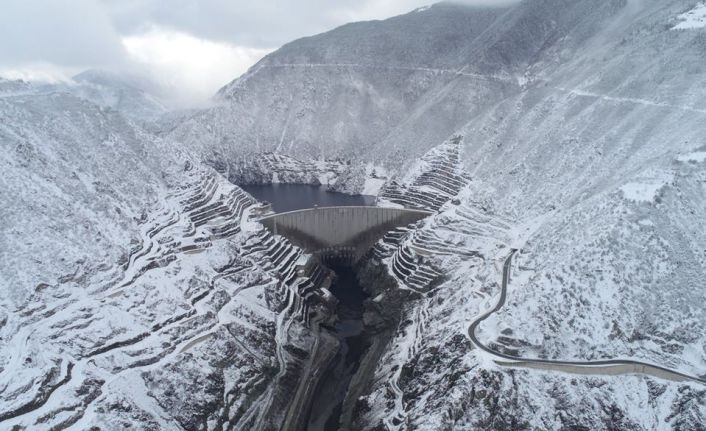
x=356, y=323
x=326, y=405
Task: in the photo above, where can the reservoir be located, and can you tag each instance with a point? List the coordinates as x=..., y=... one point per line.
x=291, y=197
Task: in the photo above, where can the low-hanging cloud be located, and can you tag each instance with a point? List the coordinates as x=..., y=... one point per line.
x=71, y=33
x=182, y=61
x=260, y=24
x=198, y=45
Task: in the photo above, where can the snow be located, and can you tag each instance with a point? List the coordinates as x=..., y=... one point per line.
x=372, y=186
x=97, y=267
x=693, y=19
x=645, y=222
x=697, y=156
x=326, y=178
x=521, y=233
x=646, y=190
x=597, y=276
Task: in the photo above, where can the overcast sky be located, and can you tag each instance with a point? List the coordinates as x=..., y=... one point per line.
x=195, y=45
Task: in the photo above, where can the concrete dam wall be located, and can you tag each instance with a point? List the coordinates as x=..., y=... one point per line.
x=346, y=232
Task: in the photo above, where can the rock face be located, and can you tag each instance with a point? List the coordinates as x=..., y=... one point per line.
x=137, y=98
x=136, y=289
x=272, y=168
x=429, y=376
x=359, y=90
x=399, y=87
x=143, y=294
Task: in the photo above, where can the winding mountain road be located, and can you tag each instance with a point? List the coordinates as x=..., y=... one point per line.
x=600, y=367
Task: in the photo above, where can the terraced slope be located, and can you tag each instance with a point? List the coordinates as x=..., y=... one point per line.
x=135, y=289
x=180, y=310
x=468, y=242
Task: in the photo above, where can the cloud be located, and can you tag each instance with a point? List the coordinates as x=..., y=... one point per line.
x=194, y=67
x=261, y=24
x=377, y=9
x=71, y=33
x=195, y=45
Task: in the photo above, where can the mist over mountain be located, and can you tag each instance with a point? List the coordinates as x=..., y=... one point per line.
x=557, y=282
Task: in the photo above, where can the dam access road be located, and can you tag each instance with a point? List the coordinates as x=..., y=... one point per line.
x=599, y=367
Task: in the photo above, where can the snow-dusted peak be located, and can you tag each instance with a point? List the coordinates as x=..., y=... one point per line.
x=692, y=19
x=137, y=97
x=12, y=87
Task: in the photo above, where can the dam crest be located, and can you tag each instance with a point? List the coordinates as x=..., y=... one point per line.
x=341, y=233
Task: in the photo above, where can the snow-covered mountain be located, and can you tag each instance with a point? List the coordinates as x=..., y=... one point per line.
x=122, y=261
x=135, y=288
x=403, y=85
x=136, y=97
x=76, y=179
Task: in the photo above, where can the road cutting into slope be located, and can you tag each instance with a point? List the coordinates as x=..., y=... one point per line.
x=608, y=367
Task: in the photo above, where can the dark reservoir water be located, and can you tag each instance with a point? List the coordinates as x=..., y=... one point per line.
x=291, y=197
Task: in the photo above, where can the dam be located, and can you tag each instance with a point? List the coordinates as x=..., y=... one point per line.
x=340, y=233
x=338, y=230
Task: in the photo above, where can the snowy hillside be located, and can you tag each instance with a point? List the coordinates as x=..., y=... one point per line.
x=612, y=278
x=396, y=96
x=137, y=98
x=339, y=95
x=560, y=147
x=76, y=178
x=135, y=290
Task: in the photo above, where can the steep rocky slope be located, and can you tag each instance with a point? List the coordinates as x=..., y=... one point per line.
x=577, y=122
x=355, y=90
x=616, y=277
x=76, y=178
x=137, y=290
x=399, y=91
